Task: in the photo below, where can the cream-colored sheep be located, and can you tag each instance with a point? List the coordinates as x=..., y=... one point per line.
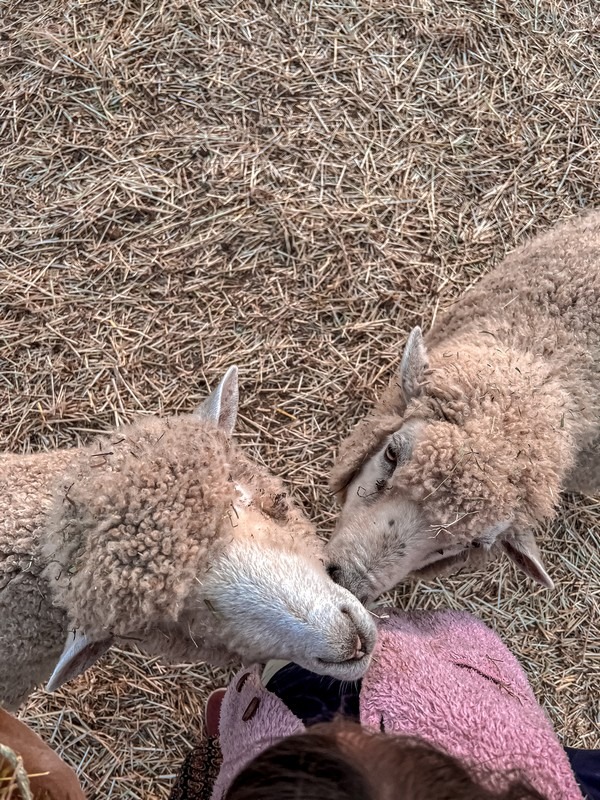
x=165, y=534
x=491, y=416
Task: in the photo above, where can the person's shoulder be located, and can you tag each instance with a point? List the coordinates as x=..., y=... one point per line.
x=441, y=629
x=390, y=618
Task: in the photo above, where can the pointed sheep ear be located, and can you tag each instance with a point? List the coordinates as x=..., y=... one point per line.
x=79, y=654
x=413, y=365
x=221, y=406
x=523, y=550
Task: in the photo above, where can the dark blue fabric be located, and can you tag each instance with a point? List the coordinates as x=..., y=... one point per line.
x=315, y=698
x=586, y=766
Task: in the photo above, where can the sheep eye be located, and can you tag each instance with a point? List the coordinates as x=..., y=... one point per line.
x=396, y=452
x=391, y=454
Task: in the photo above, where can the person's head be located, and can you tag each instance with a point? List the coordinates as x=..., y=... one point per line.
x=341, y=761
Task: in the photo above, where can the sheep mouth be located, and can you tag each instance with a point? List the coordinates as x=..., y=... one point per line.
x=361, y=656
x=431, y=570
x=350, y=670
x=349, y=662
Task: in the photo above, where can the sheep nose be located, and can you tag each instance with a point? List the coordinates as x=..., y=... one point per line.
x=359, y=651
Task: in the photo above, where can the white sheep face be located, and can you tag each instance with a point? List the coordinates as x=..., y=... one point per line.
x=266, y=594
x=272, y=601
x=272, y=596
x=263, y=592
x=270, y=591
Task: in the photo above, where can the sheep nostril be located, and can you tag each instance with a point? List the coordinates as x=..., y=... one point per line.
x=359, y=651
x=334, y=572
x=359, y=646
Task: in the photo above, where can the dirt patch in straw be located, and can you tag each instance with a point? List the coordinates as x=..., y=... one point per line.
x=289, y=185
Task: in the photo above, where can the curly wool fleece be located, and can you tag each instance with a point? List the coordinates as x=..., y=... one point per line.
x=494, y=455
x=140, y=517
x=482, y=458
x=509, y=395
x=127, y=535
x=163, y=532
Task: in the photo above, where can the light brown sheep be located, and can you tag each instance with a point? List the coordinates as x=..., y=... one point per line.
x=165, y=534
x=491, y=416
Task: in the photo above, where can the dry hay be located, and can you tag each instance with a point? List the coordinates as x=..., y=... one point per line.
x=14, y=784
x=290, y=185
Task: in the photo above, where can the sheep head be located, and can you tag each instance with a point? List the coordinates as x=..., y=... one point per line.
x=461, y=466
x=169, y=536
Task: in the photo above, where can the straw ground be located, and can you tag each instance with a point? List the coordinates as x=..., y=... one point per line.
x=291, y=186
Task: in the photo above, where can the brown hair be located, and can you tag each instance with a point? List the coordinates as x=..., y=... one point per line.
x=341, y=761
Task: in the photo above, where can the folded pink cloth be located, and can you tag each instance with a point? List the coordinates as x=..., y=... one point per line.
x=444, y=677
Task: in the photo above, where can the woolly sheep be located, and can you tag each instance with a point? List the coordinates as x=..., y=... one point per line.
x=164, y=533
x=492, y=414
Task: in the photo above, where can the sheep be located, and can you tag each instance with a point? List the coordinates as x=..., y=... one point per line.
x=165, y=534
x=29, y=768
x=492, y=414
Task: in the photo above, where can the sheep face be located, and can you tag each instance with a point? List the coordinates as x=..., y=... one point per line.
x=431, y=492
x=382, y=534
x=271, y=602
x=265, y=592
x=170, y=536
x=267, y=589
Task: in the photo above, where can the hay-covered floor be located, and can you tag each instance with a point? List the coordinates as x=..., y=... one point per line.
x=289, y=185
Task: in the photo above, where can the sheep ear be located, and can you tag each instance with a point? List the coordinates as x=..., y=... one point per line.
x=523, y=550
x=79, y=654
x=413, y=365
x=221, y=406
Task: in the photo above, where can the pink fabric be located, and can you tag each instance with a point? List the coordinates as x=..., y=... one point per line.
x=444, y=677
x=241, y=740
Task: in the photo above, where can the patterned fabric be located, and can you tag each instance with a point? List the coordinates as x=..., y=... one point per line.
x=198, y=772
